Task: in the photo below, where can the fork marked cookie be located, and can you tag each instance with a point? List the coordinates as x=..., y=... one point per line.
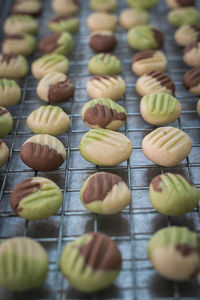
x=187, y=34
x=10, y=92
x=104, y=64
x=102, y=21
x=64, y=23
x=20, y=24
x=131, y=17
x=13, y=66
x=65, y=7
x=191, y=81
x=191, y=55
x=23, y=44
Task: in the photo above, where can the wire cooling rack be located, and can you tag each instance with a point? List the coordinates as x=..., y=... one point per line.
x=133, y=227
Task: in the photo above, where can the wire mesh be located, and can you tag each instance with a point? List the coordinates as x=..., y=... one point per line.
x=133, y=227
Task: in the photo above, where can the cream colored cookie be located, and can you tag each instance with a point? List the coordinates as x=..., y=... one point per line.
x=103, y=5
x=198, y=107
x=10, y=92
x=104, y=86
x=65, y=7
x=23, y=44
x=4, y=153
x=179, y=3
x=30, y=7
x=131, y=17
x=102, y=21
x=191, y=55
x=166, y=146
x=49, y=63
x=20, y=24
x=13, y=66
x=187, y=34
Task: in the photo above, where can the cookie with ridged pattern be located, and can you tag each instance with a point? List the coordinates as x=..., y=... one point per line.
x=20, y=24
x=102, y=21
x=65, y=7
x=104, y=64
x=179, y=3
x=23, y=44
x=4, y=153
x=187, y=34
x=183, y=16
x=6, y=122
x=103, y=5
x=10, y=92
x=64, y=23
x=131, y=17
x=31, y=7
x=13, y=66
x=191, y=54
x=143, y=4
x=191, y=81
x=60, y=43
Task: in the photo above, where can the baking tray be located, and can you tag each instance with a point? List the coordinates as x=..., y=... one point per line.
x=133, y=227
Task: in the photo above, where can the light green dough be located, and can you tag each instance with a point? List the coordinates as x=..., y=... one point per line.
x=144, y=4
x=70, y=25
x=10, y=92
x=6, y=122
x=104, y=64
x=183, y=16
x=103, y=5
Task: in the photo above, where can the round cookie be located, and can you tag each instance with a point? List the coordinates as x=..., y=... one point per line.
x=36, y=198
x=49, y=63
x=187, y=34
x=105, y=193
x=104, y=64
x=103, y=113
x=10, y=92
x=4, y=153
x=31, y=7
x=198, y=107
x=160, y=109
x=103, y=5
x=6, y=122
x=174, y=253
x=55, y=87
x=13, y=66
x=191, y=81
x=60, y=43
x=23, y=44
x=143, y=4
x=63, y=24
x=92, y=262
x=173, y=194
x=148, y=61
x=65, y=7
x=48, y=119
x=191, y=55
x=24, y=264
x=144, y=37
x=183, y=16
x=43, y=152
x=166, y=146
x=102, y=21
x=179, y=3
x=155, y=82
x=20, y=24
x=104, y=86
x=103, y=41
x=105, y=147
x=132, y=17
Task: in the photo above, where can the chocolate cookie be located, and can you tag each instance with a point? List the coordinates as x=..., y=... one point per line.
x=103, y=41
x=191, y=81
x=191, y=55
x=60, y=43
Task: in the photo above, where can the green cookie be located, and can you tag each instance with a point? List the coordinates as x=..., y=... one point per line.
x=6, y=122
x=183, y=16
x=144, y=4
x=104, y=64
x=62, y=24
x=103, y=5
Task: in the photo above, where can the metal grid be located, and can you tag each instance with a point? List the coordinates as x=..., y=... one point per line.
x=133, y=227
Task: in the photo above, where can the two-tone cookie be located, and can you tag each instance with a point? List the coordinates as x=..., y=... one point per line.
x=4, y=153
x=13, y=66
x=30, y=7
x=179, y=3
x=187, y=34
x=191, y=55
x=6, y=122
x=64, y=23
x=131, y=17
x=102, y=21
x=103, y=41
x=60, y=43
x=143, y=4
x=104, y=64
x=19, y=44
x=65, y=7
x=20, y=24
x=10, y=92
x=183, y=16
x=191, y=81
x=103, y=5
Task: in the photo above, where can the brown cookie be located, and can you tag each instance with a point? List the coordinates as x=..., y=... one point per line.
x=191, y=81
x=103, y=41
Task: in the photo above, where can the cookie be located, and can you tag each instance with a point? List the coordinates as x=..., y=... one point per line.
x=132, y=17
x=174, y=253
x=31, y=7
x=60, y=43
x=4, y=153
x=104, y=64
x=6, y=122
x=187, y=34
x=103, y=41
x=191, y=81
x=23, y=44
x=104, y=86
x=103, y=113
x=65, y=7
x=24, y=264
x=166, y=146
x=143, y=4
x=43, y=152
x=55, y=87
x=105, y=193
x=36, y=198
x=105, y=147
x=179, y=3
x=183, y=16
x=49, y=63
x=92, y=262
x=198, y=107
x=63, y=24
x=155, y=82
x=48, y=119
x=173, y=194
x=102, y=21
x=160, y=109
x=13, y=66
x=10, y=92
x=191, y=55
x=20, y=24
x=103, y=5
x=144, y=37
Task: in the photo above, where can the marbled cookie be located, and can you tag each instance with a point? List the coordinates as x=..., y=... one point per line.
x=36, y=198
x=184, y=15
x=198, y=107
x=60, y=43
x=19, y=44
x=179, y=3
x=103, y=113
x=92, y=262
x=49, y=63
x=105, y=193
x=103, y=41
x=148, y=61
x=43, y=152
x=173, y=194
x=155, y=82
x=6, y=122
x=63, y=24
x=104, y=86
x=55, y=87
x=191, y=81
x=160, y=109
x=13, y=66
x=191, y=55
x=103, y=5
x=65, y=7
x=144, y=4
x=20, y=24
x=31, y=7
x=102, y=21
x=187, y=34
x=104, y=64
x=10, y=92
x=166, y=146
x=105, y=147
x=131, y=17
x=4, y=153
x=48, y=119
